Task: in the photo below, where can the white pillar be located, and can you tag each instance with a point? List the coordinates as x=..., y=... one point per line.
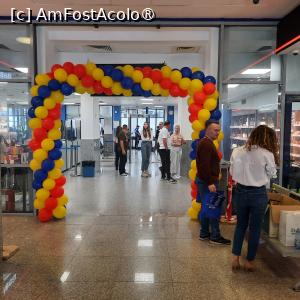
x=183, y=119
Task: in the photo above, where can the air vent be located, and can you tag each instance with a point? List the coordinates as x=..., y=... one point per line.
x=4, y=47
x=105, y=48
x=187, y=49
x=264, y=48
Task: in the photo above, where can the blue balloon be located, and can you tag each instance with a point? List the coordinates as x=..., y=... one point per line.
x=107, y=70
x=194, y=145
x=147, y=94
x=31, y=113
x=40, y=175
x=209, y=79
x=37, y=101
x=137, y=90
x=48, y=165
x=54, y=154
x=186, y=72
x=36, y=184
x=116, y=75
x=193, y=155
x=202, y=134
x=198, y=75
x=67, y=89
x=44, y=91
x=54, y=85
x=127, y=83
x=216, y=115
x=58, y=144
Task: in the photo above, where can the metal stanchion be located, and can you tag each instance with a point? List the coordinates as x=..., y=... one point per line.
x=75, y=174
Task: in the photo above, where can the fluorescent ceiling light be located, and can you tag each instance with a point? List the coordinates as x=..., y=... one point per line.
x=22, y=103
x=24, y=40
x=103, y=103
x=147, y=99
x=256, y=71
x=3, y=82
x=69, y=103
x=77, y=94
x=22, y=70
x=232, y=86
x=158, y=106
x=147, y=103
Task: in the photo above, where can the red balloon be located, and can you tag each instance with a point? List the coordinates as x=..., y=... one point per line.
x=209, y=88
x=55, y=67
x=51, y=75
x=183, y=93
x=147, y=72
x=166, y=83
x=87, y=81
x=193, y=117
x=194, y=186
x=79, y=70
x=194, y=109
x=98, y=88
x=174, y=90
x=199, y=98
x=156, y=76
x=54, y=113
x=45, y=215
x=138, y=68
x=40, y=134
x=48, y=123
x=69, y=67
x=50, y=203
x=34, y=144
x=60, y=181
x=194, y=194
x=57, y=192
x=107, y=92
x=220, y=155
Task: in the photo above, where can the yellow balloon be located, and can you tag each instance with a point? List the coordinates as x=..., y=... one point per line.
x=34, y=165
x=195, y=69
x=72, y=80
x=107, y=82
x=57, y=124
x=127, y=93
x=215, y=95
x=196, y=85
x=79, y=89
x=166, y=71
x=41, y=112
x=98, y=74
x=198, y=125
x=42, y=79
x=40, y=155
x=195, y=135
x=128, y=70
x=190, y=101
x=63, y=200
x=59, y=212
x=185, y=83
x=117, y=88
x=210, y=104
x=42, y=194
x=192, y=174
x=221, y=136
x=47, y=144
x=34, y=90
x=59, y=163
x=165, y=93
x=54, y=134
x=90, y=67
x=203, y=115
x=57, y=96
x=35, y=123
x=193, y=214
x=49, y=184
x=147, y=84
x=196, y=206
x=137, y=76
x=49, y=103
x=194, y=164
x=60, y=74
x=38, y=204
x=90, y=90
x=216, y=143
x=54, y=174
x=175, y=76
x=156, y=90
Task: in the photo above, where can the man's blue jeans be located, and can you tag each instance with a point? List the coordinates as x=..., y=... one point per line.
x=205, y=222
x=251, y=204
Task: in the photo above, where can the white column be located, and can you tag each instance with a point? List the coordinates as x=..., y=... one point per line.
x=183, y=119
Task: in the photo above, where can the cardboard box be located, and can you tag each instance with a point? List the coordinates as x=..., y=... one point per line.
x=278, y=202
x=289, y=223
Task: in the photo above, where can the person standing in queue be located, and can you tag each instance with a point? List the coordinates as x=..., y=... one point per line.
x=116, y=147
x=252, y=167
x=208, y=172
x=164, y=140
x=146, y=148
x=123, y=147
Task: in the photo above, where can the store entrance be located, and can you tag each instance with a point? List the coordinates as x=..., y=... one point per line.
x=291, y=147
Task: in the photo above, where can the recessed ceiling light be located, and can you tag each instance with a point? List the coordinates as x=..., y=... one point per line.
x=22, y=70
x=24, y=40
x=255, y=71
x=231, y=86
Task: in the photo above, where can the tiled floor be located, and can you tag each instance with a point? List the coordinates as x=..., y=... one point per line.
x=129, y=238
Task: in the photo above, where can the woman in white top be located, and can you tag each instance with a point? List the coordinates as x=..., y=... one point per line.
x=146, y=147
x=252, y=166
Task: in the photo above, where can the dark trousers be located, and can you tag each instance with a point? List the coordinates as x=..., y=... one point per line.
x=205, y=221
x=165, y=163
x=251, y=203
x=117, y=156
x=123, y=160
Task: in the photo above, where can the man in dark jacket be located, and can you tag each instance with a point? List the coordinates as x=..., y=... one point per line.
x=208, y=171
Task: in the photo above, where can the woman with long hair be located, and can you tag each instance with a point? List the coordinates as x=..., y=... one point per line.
x=116, y=145
x=252, y=166
x=146, y=148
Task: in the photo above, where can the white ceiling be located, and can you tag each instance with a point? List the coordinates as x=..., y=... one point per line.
x=169, y=9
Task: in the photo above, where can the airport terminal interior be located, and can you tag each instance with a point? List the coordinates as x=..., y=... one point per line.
x=73, y=224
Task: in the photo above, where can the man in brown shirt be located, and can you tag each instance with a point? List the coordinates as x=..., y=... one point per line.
x=123, y=146
x=208, y=171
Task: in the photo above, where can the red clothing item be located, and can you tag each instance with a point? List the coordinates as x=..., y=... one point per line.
x=208, y=161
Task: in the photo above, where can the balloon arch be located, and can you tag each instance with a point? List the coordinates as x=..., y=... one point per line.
x=63, y=80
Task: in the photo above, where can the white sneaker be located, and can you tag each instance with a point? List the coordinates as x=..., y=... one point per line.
x=124, y=174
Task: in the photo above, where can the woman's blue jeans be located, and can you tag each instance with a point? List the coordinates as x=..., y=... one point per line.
x=146, y=148
x=251, y=204
x=205, y=222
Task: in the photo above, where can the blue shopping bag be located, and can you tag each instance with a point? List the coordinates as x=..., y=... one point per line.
x=212, y=205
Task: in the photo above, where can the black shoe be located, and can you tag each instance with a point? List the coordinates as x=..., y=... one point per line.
x=220, y=241
x=172, y=180
x=204, y=237
x=163, y=178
